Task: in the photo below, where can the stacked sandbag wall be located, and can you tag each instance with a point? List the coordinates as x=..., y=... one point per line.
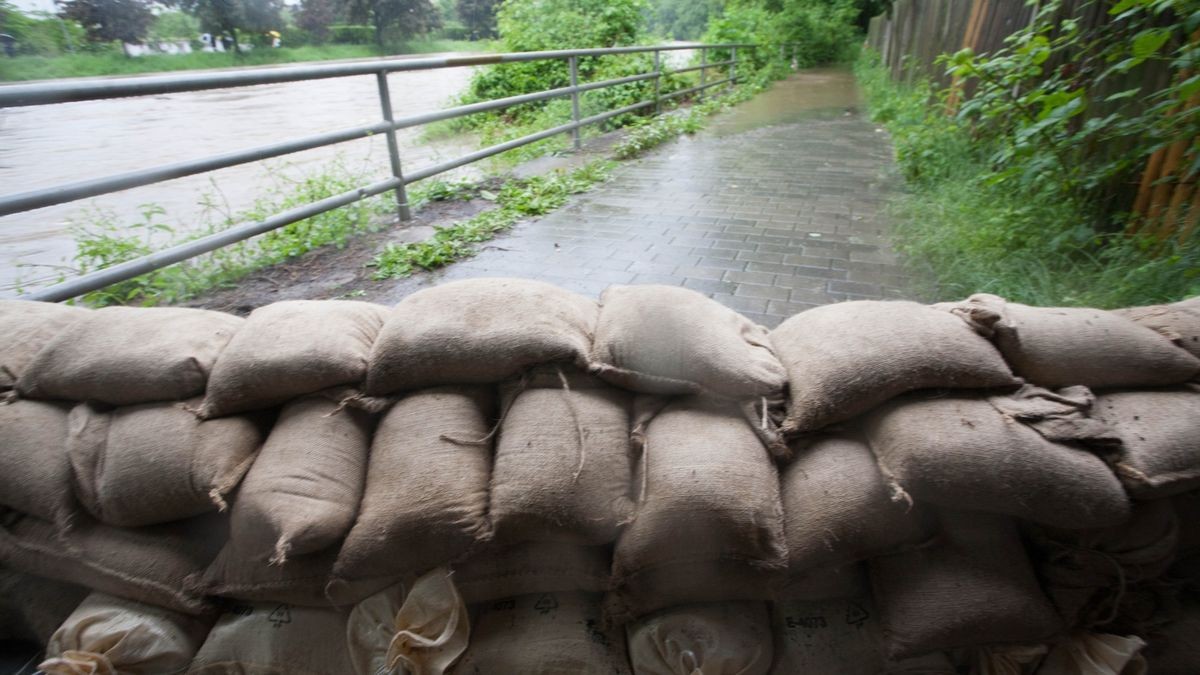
x=501, y=476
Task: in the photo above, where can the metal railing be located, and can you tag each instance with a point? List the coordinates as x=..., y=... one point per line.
x=89, y=90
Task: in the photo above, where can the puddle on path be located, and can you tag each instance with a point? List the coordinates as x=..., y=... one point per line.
x=808, y=93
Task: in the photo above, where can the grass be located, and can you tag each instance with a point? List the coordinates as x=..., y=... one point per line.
x=85, y=65
x=965, y=230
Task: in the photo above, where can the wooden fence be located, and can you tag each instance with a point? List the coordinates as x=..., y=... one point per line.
x=1165, y=200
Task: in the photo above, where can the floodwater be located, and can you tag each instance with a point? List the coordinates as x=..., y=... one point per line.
x=43, y=146
x=805, y=94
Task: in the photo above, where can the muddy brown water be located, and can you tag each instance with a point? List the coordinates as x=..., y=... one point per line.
x=43, y=146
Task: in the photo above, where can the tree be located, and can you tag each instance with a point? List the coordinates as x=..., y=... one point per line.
x=479, y=16
x=229, y=16
x=315, y=16
x=108, y=20
x=174, y=25
x=406, y=17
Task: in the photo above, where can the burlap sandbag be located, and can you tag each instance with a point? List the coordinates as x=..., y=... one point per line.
x=156, y=462
x=477, y=331
x=1174, y=322
x=422, y=632
x=837, y=635
x=671, y=340
x=128, y=355
x=1187, y=510
x=146, y=564
x=732, y=638
x=837, y=508
x=1063, y=346
x=846, y=358
x=35, y=472
x=302, y=493
x=307, y=580
x=961, y=452
x=497, y=572
x=275, y=639
x=106, y=634
x=975, y=586
x=709, y=523
x=26, y=327
x=425, y=502
x=32, y=607
x=937, y=663
x=563, y=467
x=544, y=634
x=1160, y=434
x=825, y=583
x=289, y=349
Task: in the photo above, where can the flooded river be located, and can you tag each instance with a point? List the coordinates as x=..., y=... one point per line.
x=46, y=145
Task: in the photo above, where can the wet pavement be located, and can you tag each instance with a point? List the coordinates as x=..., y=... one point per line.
x=777, y=207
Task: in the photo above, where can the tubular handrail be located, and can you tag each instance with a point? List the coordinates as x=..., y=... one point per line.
x=43, y=93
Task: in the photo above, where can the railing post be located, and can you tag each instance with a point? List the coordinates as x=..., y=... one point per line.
x=573, y=64
x=733, y=68
x=657, y=82
x=385, y=102
x=703, y=70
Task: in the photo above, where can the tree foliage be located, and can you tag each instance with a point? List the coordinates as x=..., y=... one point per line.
x=230, y=16
x=479, y=17
x=402, y=18
x=316, y=16
x=682, y=19
x=108, y=20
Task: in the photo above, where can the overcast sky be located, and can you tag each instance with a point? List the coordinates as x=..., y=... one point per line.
x=34, y=5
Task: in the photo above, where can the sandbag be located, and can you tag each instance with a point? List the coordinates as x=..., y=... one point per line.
x=275, y=639
x=32, y=608
x=421, y=633
x=846, y=358
x=962, y=452
x=146, y=564
x=35, y=472
x=106, y=634
x=671, y=340
x=1063, y=346
x=563, y=467
x=156, y=462
x=1086, y=653
x=1187, y=511
x=1174, y=322
x=478, y=331
x=289, y=349
x=975, y=586
x=937, y=663
x=129, y=355
x=544, y=634
x=303, y=491
x=307, y=580
x=25, y=328
x=426, y=496
x=838, y=635
x=824, y=583
x=709, y=523
x=497, y=572
x=1160, y=439
x=703, y=639
x=1006, y=659
x=837, y=508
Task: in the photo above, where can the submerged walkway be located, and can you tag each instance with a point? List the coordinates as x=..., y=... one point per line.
x=776, y=208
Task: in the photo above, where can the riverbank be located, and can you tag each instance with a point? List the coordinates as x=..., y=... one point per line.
x=23, y=68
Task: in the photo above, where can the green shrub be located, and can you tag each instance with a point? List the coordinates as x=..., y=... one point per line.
x=351, y=34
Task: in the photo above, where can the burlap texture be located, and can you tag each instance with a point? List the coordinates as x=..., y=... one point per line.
x=36, y=473
x=26, y=327
x=426, y=497
x=275, y=639
x=156, y=462
x=303, y=491
x=845, y=359
x=1160, y=439
x=974, y=587
x=563, y=467
x=128, y=355
x=422, y=632
x=961, y=452
x=837, y=508
x=289, y=349
x=1174, y=322
x=478, y=331
x=836, y=635
x=32, y=607
x=497, y=572
x=543, y=634
x=703, y=639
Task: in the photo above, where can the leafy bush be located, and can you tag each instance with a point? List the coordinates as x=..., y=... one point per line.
x=351, y=34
